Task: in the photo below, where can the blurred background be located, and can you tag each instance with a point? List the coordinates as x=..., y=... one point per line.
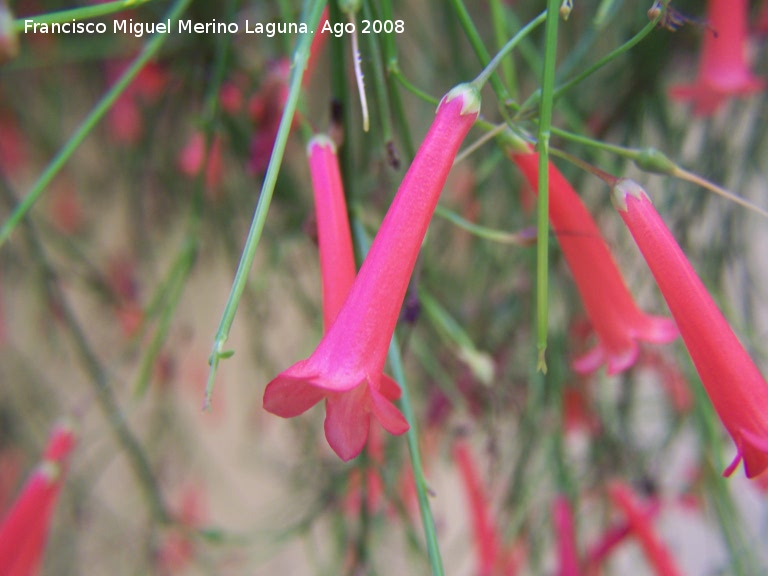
x=113, y=285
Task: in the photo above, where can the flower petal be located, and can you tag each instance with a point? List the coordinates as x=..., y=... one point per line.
x=389, y=388
x=388, y=414
x=347, y=421
x=292, y=393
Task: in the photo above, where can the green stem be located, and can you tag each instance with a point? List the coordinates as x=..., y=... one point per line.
x=476, y=42
x=379, y=80
x=656, y=162
x=507, y=48
x=545, y=121
x=173, y=288
x=498, y=16
x=536, y=96
x=395, y=71
x=105, y=395
x=523, y=238
x=85, y=13
x=96, y=114
x=172, y=291
x=300, y=58
x=340, y=97
x=422, y=487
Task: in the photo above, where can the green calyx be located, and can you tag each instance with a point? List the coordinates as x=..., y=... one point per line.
x=625, y=187
x=470, y=95
x=321, y=141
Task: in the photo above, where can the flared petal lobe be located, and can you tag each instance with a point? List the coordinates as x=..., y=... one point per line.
x=734, y=384
x=346, y=367
x=616, y=319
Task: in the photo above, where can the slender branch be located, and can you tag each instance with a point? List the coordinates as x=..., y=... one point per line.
x=97, y=113
x=300, y=58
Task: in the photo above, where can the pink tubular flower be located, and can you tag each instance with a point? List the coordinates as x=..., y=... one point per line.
x=655, y=550
x=194, y=156
x=24, y=529
x=346, y=366
x=612, y=537
x=337, y=257
x=486, y=538
x=337, y=264
x=723, y=70
x=568, y=557
x=734, y=385
x=616, y=319
x=126, y=116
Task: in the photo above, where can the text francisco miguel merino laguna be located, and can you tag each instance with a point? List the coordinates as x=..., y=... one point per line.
x=138, y=29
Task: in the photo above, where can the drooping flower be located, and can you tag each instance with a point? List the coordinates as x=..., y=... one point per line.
x=194, y=157
x=610, y=539
x=568, y=557
x=723, y=70
x=125, y=118
x=656, y=551
x=177, y=545
x=616, y=319
x=734, y=384
x=337, y=257
x=265, y=109
x=337, y=265
x=24, y=529
x=483, y=526
x=672, y=379
x=346, y=366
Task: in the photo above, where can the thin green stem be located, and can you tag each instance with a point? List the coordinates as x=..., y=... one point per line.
x=483, y=56
x=507, y=48
x=84, y=13
x=105, y=395
x=422, y=487
x=533, y=100
x=524, y=238
x=379, y=80
x=398, y=75
x=545, y=121
x=173, y=288
x=97, y=113
x=172, y=291
x=628, y=45
x=341, y=100
x=498, y=16
x=393, y=71
x=656, y=162
x=300, y=58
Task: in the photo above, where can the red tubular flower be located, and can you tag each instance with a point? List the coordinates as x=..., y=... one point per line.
x=486, y=538
x=611, y=538
x=194, y=156
x=723, y=71
x=655, y=550
x=24, y=529
x=616, y=319
x=566, y=541
x=732, y=381
x=345, y=367
x=337, y=257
